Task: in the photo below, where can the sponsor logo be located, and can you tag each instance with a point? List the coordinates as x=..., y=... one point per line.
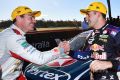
x=49, y=70
x=83, y=57
x=96, y=55
x=96, y=47
x=59, y=69
x=113, y=33
x=110, y=77
x=25, y=45
x=62, y=62
x=43, y=73
x=104, y=36
x=42, y=44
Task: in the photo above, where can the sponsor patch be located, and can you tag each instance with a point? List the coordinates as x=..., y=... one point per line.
x=62, y=62
x=104, y=36
x=113, y=33
x=96, y=55
x=47, y=73
x=25, y=44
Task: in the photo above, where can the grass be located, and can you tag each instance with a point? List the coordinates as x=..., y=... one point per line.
x=1, y=30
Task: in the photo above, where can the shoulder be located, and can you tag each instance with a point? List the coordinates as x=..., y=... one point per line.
x=16, y=38
x=113, y=30
x=86, y=33
x=11, y=36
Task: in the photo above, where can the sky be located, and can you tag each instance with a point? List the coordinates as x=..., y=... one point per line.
x=54, y=9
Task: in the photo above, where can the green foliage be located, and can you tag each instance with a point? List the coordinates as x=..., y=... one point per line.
x=45, y=24
x=50, y=23
x=5, y=24
x=1, y=30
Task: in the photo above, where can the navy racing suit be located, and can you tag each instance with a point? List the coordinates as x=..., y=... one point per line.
x=103, y=44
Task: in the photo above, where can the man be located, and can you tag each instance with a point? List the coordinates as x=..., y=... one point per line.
x=84, y=24
x=102, y=46
x=14, y=47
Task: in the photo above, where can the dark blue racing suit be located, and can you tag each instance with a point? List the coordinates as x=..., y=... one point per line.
x=103, y=44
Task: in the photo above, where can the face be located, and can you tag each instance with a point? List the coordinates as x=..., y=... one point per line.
x=28, y=22
x=92, y=18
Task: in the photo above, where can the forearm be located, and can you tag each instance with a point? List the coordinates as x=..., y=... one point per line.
x=97, y=65
x=80, y=55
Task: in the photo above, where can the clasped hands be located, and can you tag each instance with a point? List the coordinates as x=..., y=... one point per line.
x=65, y=45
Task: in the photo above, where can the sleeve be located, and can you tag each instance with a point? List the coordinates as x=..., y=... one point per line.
x=116, y=62
x=80, y=55
x=19, y=48
x=116, y=65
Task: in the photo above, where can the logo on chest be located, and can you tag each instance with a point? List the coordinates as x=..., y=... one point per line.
x=98, y=52
x=96, y=55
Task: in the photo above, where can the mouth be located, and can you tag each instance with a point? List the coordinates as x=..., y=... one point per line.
x=32, y=25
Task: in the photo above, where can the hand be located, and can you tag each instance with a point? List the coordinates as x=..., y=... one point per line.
x=97, y=65
x=65, y=45
x=91, y=76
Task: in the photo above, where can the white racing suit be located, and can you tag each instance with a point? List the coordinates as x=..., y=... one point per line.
x=14, y=48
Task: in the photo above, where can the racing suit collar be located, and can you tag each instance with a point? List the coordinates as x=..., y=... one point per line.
x=101, y=29
x=18, y=29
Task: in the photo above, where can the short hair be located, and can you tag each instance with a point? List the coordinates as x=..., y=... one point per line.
x=103, y=15
x=15, y=18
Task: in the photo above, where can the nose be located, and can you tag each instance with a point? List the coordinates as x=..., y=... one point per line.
x=86, y=18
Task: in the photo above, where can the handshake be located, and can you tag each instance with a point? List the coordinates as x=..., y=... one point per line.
x=65, y=46
x=71, y=48
x=76, y=54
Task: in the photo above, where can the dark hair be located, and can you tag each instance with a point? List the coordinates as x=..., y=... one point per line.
x=15, y=18
x=14, y=21
x=103, y=15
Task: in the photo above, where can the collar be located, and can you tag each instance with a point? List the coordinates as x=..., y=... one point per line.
x=101, y=29
x=17, y=30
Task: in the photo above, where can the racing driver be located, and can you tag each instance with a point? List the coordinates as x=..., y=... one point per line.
x=102, y=46
x=14, y=48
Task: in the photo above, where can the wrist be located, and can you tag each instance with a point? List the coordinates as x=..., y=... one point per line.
x=114, y=64
x=110, y=65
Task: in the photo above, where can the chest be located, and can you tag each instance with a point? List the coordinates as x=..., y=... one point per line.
x=97, y=44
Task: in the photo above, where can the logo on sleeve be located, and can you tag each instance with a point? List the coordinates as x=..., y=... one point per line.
x=25, y=45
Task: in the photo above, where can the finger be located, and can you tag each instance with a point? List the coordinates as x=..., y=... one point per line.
x=93, y=66
x=60, y=44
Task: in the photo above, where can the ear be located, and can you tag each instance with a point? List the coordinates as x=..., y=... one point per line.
x=18, y=18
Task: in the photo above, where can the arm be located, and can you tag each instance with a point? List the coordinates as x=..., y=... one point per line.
x=80, y=55
x=116, y=62
x=19, y=48
x=100, y=65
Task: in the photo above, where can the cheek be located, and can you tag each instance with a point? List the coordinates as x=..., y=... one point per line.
x=92, y=19
x=27, y=25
